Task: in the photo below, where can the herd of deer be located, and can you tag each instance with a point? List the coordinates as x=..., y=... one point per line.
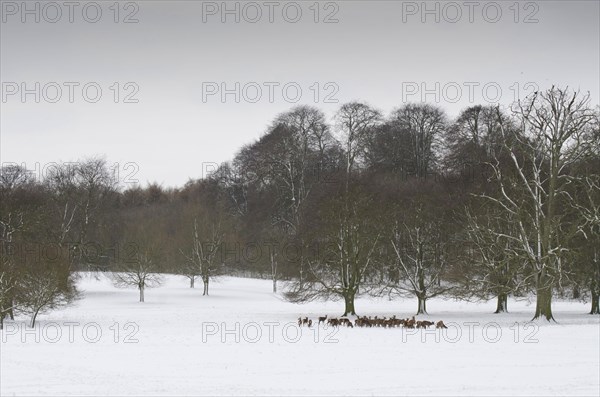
x=369, y=322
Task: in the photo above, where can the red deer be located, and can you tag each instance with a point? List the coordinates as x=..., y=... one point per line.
x=309, y=323
x=322, y=319
x=427, y=324
x=305, y=320
x=440, y=324
x=299, y=322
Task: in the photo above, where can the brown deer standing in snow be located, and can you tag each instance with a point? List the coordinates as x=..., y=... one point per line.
x=427, y=324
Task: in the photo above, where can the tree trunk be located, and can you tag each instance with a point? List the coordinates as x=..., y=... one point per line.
x=192, y=281
x=349, y=302
x=422, y=304
x=141, y=293
x=595, y=302
x=274, y=272
x=543, y=306
x=33, y=318
x=205, y=282
x=502, y=305
x=422, y=293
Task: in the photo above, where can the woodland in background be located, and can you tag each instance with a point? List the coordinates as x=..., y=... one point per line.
x=498, y=202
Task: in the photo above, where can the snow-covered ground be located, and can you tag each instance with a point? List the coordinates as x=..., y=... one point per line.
x=181, y=343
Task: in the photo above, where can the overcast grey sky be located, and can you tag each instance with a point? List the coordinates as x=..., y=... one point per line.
x=180, y=52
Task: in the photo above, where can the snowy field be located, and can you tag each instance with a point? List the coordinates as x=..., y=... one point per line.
x=181, y=343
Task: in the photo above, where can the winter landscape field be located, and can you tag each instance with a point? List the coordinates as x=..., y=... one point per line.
x=182, y=343
x=300, y=198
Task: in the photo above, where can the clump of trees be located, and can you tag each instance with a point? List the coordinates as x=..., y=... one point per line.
x=43, y=290
x=494, y=203
x=35, y=265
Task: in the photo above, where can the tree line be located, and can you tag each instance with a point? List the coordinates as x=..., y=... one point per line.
x=497, y=202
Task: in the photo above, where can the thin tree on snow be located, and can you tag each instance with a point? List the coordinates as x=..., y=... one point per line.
x=141, y=273
x=204, y=257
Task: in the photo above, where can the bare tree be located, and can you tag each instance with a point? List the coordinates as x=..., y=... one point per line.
x=587, y=206
x=285, y=165
x=203, y=256
x=44, y=290
x=95, y=183
x=191, y=272
x=61, y=182
x=22, y=204
x=355, y=121
x=587, y=271
x=141, y=272
x=78, y=191
x=493, y=265
x=424, y=124
x=348, y=248
x=296, y=153
x=541, y=150
x=8, y=287
x=344, y=249
x=13, y=180
x=419, y=259
x=233, y=178
x=472, y=140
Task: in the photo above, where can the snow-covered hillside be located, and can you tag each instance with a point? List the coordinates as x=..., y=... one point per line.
x=181, y=343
